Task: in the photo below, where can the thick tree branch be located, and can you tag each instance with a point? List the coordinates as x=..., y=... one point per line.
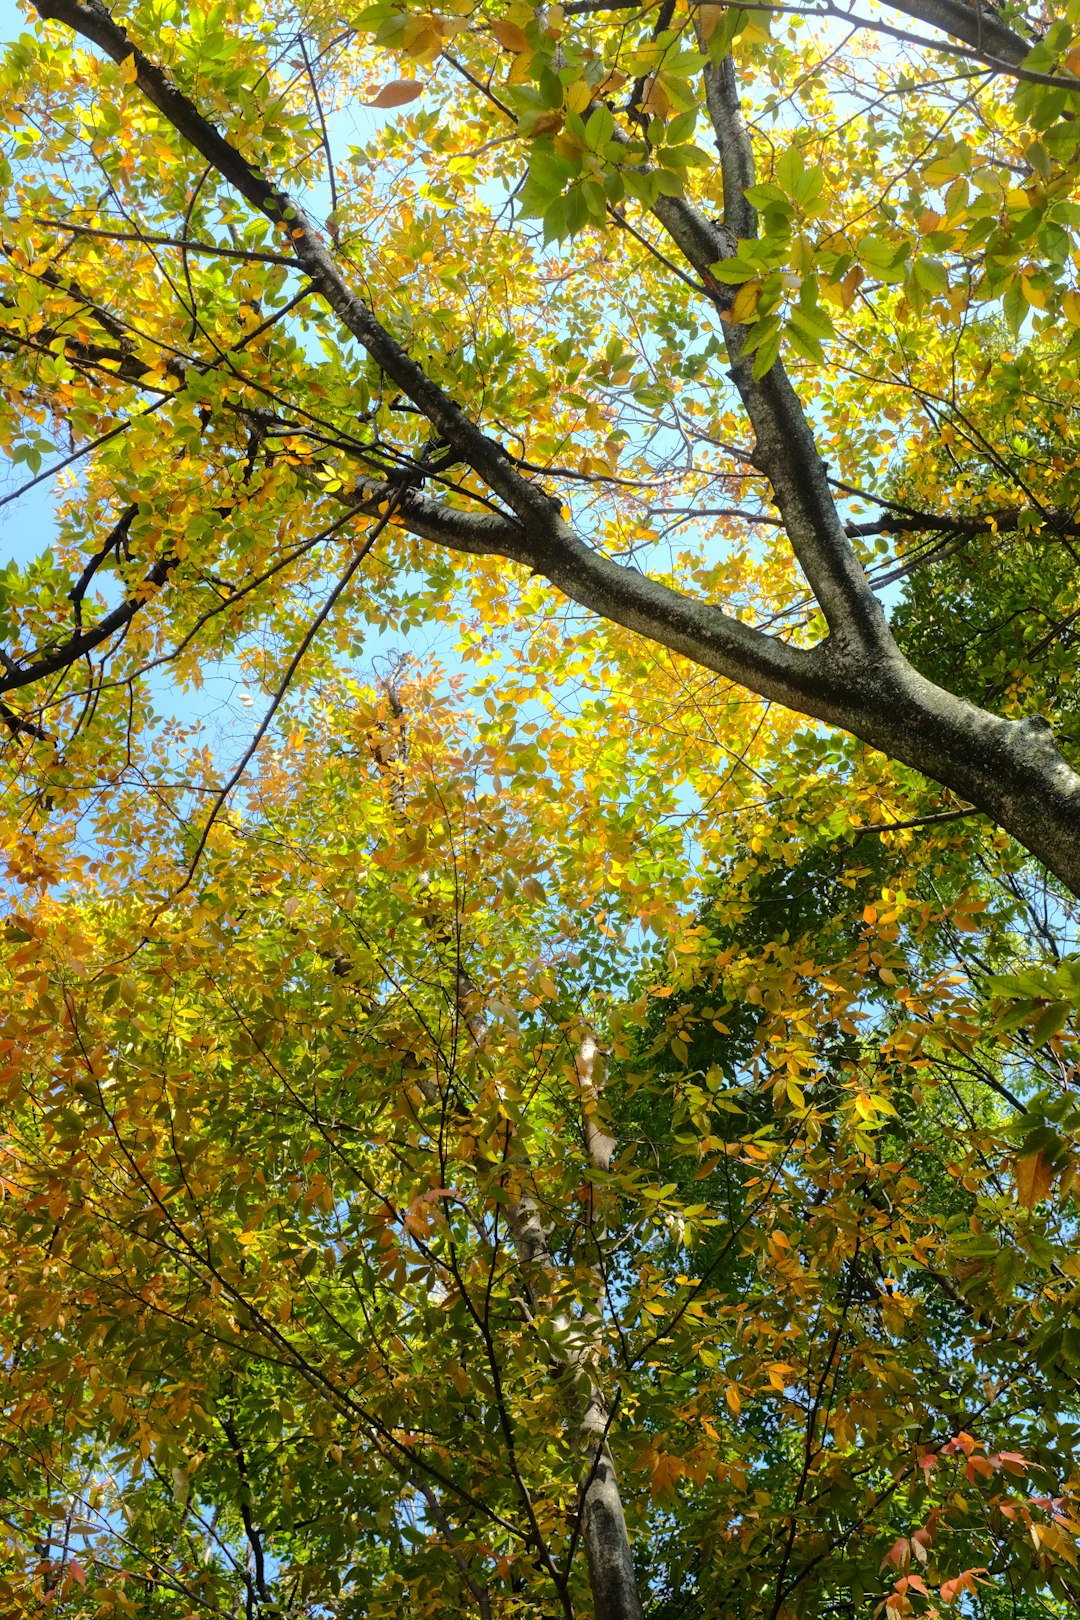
x=697, y=629
x=976, y=23
x=1003, y=520
x=786, y=450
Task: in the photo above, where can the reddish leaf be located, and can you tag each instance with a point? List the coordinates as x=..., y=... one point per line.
x=899, y=1554
x=951, y=1590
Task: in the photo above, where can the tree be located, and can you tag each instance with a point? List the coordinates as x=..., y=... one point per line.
x=197, y=375
x=338, y=1280
x=615, y=1147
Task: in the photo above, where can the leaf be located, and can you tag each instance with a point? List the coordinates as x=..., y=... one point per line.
x=510, y=36
x=952, y=1589
x=1034, y=1179
x=667, y=1470
x=898, y=1555
x=396, y=93
x=745, y=301
x=1050, y=1022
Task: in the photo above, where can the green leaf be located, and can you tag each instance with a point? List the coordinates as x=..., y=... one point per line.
x=1050, y=1022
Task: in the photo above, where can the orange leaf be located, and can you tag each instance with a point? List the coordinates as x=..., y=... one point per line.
x=397, y=93
x=1034, y=1178
x=666, y=1470
x=912, y=1583
x=951, y=1590
x=510, y=36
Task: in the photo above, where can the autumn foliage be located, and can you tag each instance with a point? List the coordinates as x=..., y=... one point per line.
x=539, y=1067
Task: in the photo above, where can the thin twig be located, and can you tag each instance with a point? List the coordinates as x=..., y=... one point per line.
x=309, y=635
x=148, y=239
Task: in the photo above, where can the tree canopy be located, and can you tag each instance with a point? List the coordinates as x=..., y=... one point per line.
x=578, y=1115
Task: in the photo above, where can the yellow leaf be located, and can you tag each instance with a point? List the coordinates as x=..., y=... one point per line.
x=1038, y=296
x=757, y=31
x=1049, y=1538
x=422, y=38
x=520, y=68
x=746, y=300
x=731, y=1395
x=1070, y=306
x=578, y=96
x=567, y=144
x=459, y=1378
x=129, y=70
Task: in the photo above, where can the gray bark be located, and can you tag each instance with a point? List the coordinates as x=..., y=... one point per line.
x=603, y=1525
x=612, y=1578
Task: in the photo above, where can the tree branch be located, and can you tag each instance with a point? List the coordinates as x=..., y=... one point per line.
x=786, y=450
x=974, y=21
x=149, y=239
x=76, y=647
